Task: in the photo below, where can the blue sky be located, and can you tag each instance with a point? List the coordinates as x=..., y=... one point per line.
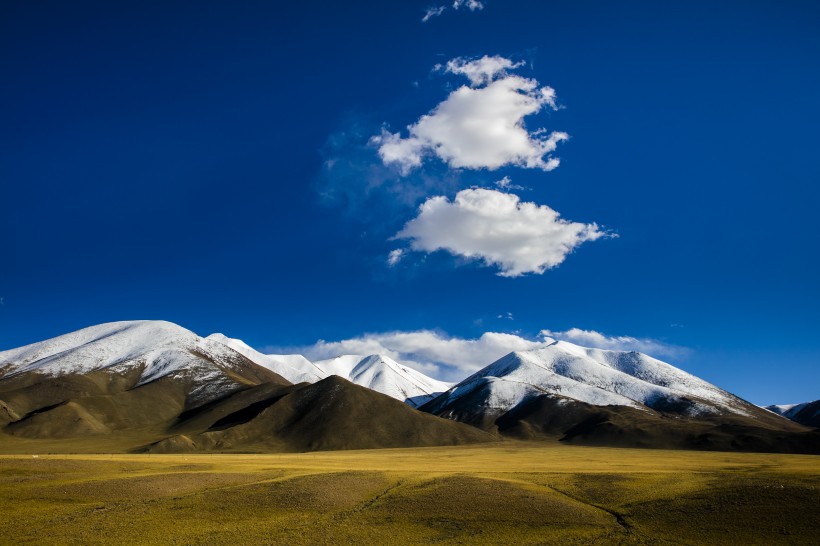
x=212, y=166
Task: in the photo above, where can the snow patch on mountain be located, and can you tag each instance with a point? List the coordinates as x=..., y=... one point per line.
x=159, y=348
x=377, y=372
x=789, y=411
x=383, y=374
x=595, y=376
x=294, y=368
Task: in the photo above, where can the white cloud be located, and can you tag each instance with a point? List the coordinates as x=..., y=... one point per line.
x=452, y=358
x=479, y=126
x=507, y=185
x=472, y=5
x=426, y=350
x=406, y=153
x=480, y=71
x=433, y=12
x=395, y=256
x=591, y=338
x=497, y=228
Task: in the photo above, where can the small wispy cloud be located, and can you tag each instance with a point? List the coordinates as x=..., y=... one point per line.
x=395, y=256
x=472, y=5
x=507, y=185
x=435, y=11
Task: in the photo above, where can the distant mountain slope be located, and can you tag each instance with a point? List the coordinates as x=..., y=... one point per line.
x=807, y=413
x=331, y=414
x=378, y=372
x=383, y=374
x=613, y=398
x=294, y=368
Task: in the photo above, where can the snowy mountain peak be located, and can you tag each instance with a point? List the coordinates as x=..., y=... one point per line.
x=163, y=348
x=157, y=349
x=294, y=368
x=383, y=374
x=594, y=376
x=377, y=372
x=96, y=347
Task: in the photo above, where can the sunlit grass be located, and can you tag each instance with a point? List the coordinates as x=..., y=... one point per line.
x=510, y=493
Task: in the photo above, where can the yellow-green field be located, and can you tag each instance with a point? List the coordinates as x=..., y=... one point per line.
x=513, y=493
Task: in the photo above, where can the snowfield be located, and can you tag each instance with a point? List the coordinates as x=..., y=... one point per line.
x=594, y=376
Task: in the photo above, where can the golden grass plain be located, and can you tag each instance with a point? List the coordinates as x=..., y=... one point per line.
x=509, y=493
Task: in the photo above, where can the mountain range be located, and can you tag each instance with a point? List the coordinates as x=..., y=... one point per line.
x=155, y=386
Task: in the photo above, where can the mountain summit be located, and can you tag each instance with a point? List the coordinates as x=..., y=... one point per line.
x=611, y=397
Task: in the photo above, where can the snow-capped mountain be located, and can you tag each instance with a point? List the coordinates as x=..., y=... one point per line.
x=593, y=376
x=153, y=385
x=807, y=413
x=159, y=349
x=151, y=349
x=163, y=383
x=383, y=374
x=147, y=349
x=377, y=372
x=294, y=368
x=117, y=376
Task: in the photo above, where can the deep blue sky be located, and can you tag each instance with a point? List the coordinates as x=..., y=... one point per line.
x=164, y=160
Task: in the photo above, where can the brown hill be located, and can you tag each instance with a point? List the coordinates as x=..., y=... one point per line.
x=571, y=421
x=332, y=414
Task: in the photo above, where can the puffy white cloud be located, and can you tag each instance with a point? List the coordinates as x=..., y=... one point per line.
x=479, y=126
x=480, y=71
x=591, y=338
x=497, y=228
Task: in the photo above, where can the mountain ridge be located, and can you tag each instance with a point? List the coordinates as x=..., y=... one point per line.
x=161, y=387
x=806, y=413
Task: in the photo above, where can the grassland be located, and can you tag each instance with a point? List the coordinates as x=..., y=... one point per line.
x=511, y=493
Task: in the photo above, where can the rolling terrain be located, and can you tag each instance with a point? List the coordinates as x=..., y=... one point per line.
x=521, y=493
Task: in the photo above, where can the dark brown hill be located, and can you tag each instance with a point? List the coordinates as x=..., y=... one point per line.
x=332, y=414
x=571, y=421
